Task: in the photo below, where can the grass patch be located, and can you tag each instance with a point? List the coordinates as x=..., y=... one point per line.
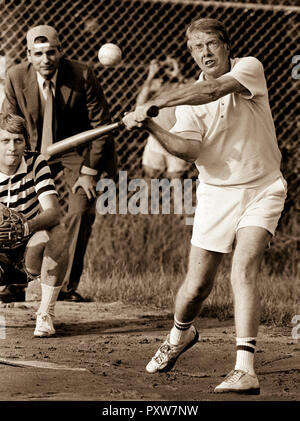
x=142, y=259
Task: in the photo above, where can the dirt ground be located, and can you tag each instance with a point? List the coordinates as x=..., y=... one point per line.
x=100, y=351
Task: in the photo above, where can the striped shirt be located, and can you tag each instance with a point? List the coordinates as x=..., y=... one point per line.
x=32, y=181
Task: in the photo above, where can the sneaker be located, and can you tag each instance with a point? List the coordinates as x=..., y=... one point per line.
x=239, y=381
x=167, y=354
x=44, y=326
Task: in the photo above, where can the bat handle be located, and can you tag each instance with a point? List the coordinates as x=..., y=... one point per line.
x=152, y=112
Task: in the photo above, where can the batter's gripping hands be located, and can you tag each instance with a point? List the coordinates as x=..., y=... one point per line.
x=14, y=230
x=139, y=115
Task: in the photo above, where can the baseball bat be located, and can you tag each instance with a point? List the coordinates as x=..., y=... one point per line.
x=70, y=143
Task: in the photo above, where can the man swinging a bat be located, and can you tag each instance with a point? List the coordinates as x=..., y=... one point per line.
x=60, y=98
x=224, y=125
x=32, y=240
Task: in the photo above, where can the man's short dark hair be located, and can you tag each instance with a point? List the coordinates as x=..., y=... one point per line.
x=209, y=25
x=13, y=124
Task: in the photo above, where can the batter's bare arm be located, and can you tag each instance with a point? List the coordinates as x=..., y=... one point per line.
x=196, y=93
x=186, y=149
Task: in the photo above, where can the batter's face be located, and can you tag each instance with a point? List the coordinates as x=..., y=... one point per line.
x=210, y=53
x=45, y=59
x=12, y=146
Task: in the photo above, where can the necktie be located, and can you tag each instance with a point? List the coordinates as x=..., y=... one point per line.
x=47, y=136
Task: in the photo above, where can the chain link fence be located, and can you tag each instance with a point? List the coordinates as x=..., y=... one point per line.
x=153, y=29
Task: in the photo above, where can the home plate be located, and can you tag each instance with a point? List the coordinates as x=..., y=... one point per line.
x=38, y=364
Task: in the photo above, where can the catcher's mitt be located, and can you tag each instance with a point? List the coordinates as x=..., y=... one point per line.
x=14, y=230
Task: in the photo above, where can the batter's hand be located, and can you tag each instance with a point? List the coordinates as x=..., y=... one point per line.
x=88, y=183
x=137, y=117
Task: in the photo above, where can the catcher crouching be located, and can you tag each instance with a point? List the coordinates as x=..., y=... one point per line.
x=32, y=240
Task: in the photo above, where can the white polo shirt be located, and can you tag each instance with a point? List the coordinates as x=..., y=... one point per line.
x=237, y=134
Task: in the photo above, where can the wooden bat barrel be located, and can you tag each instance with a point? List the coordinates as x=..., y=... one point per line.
x=70, y=143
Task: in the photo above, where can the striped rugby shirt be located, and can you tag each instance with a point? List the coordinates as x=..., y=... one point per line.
x=32, y=181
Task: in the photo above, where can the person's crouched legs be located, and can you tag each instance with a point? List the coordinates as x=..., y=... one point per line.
x=47, y=255
x=13, y=279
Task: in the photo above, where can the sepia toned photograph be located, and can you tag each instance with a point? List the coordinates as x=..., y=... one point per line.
x=149, y=205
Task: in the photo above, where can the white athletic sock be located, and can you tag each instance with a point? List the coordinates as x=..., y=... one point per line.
x=179, y=331
x=245, y=349
x=49, y=297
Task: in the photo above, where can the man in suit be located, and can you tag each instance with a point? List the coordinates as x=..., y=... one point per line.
x=59, y=98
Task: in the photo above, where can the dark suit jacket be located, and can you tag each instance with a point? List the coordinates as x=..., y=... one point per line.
x=79, y=105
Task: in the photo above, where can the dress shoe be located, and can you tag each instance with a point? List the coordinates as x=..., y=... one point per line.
x=12, y=294
x=72, y=296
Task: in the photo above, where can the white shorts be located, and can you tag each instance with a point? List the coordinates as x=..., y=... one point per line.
x=221, y=211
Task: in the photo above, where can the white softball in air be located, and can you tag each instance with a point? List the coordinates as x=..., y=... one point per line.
x=110, y=55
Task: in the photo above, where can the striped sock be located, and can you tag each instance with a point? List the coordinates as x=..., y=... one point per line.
x=245, y=348
x=179, y=331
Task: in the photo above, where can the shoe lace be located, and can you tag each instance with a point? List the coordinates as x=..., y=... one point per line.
x=234, y=376
x=43, y=317
x=162, y=353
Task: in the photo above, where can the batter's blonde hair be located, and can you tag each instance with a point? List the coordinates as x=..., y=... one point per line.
x=209, y=26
